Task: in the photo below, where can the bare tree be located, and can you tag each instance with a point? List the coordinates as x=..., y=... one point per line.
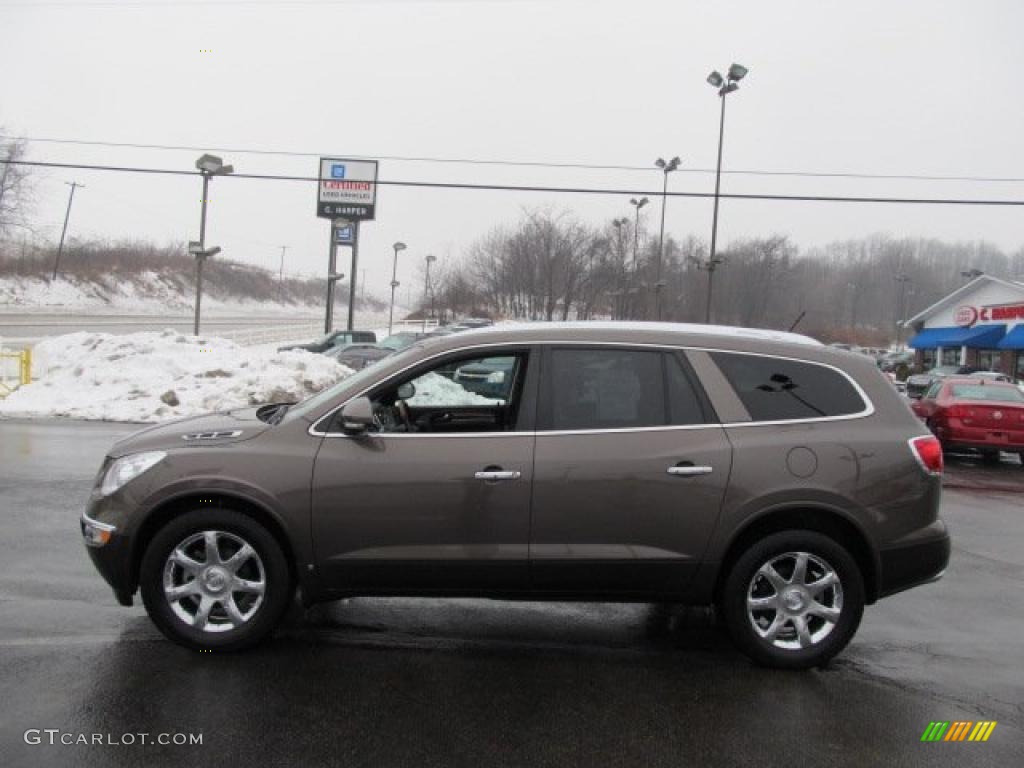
x=15, y=187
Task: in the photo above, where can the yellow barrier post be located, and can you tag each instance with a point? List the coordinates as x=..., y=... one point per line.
x=25, y=367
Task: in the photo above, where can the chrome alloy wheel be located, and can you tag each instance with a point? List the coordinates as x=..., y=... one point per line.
x=214, y=581
x=794, y=600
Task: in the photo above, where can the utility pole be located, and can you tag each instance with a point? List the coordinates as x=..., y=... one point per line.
x=280, y=277
x=67, y=215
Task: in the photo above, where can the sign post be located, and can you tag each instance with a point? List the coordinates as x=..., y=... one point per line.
x=346, y=194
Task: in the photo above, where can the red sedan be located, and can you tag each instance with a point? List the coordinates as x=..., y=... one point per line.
x=975, y=413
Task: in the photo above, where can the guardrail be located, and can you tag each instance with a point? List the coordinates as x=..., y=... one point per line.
x=248, y=337
x=15, y=369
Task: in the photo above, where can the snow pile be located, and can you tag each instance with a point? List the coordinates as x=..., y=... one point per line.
x=154, y=376
x=434, y=389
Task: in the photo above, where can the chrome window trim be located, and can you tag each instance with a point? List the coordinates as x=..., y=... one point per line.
x=869, y=408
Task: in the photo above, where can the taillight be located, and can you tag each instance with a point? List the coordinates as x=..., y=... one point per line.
x=928, y=451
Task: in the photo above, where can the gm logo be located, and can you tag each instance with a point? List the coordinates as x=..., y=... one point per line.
x=337, y=171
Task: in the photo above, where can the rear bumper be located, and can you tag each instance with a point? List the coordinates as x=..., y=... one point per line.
x=910, y=565
x=991, y=437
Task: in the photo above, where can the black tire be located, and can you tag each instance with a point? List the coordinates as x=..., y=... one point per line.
x=276, y=597
x=739, y=581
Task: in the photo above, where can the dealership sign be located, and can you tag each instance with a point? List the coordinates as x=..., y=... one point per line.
x=966, y=315
x=347, y=189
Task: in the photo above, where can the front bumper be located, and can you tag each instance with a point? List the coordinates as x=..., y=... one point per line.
x=910, y=565
x=112, y=559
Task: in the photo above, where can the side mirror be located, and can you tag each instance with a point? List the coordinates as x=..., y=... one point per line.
x=406, y=391
x=357, y=416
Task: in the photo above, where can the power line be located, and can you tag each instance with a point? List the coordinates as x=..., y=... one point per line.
x=556, y=190
x=519, y=163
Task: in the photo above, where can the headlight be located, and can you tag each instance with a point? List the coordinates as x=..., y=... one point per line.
x=498, y=377
x=127, y=468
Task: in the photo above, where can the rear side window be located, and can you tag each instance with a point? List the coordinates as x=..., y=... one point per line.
x=606, y=389
x=773, y=389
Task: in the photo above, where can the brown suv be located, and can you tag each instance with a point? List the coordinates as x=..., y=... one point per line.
x=786, y=483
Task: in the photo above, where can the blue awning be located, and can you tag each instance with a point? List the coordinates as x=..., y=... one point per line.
x=1014, y=339
x=978, y=337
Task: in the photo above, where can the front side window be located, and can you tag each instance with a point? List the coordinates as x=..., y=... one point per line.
x=459, y=394
x=775, y=389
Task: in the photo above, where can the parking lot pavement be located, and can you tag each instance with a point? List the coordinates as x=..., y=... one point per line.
x=969, y=471
x=395, y=682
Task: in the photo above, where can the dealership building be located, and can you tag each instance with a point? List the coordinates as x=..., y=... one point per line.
x=980, y=324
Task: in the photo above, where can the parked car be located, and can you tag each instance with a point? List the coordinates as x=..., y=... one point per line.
x=334, y=339
x=358, y=356
x=624, y=461
x=919, y=383
x=977, y=413
x=399, y=341
x=890, y=361
x=488, y=377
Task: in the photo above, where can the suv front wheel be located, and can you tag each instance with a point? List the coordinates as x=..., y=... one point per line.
x=214, y=579
x=793, y=600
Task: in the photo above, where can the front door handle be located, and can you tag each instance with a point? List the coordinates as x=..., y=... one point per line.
x=497, y=474
x=687, y=469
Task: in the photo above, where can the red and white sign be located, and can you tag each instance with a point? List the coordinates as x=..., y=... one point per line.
x=965, y=315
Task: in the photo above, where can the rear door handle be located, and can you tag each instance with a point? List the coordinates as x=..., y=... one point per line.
x=688, y=470
x=497, y=474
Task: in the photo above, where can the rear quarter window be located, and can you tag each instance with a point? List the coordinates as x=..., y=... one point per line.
x=776, y=389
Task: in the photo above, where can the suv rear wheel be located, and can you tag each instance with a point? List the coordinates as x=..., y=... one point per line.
x=215, y=579
x=793, y=600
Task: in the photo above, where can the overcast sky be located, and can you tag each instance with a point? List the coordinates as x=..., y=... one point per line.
x=909, y=87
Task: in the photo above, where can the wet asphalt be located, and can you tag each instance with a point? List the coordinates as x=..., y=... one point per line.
x=396, y=682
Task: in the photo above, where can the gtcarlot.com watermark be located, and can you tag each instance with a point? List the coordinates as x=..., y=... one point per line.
x=55, y=736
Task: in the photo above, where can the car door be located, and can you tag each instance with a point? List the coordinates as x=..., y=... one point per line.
x=441, y=507
x=629, y=472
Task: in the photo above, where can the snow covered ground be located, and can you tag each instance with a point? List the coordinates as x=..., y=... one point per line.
x=154, y=376
x=147, y=292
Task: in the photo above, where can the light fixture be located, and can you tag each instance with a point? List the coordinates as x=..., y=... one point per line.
x=737, y=72
x=716, y=79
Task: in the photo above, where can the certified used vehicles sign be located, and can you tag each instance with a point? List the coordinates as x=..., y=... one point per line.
x=347, y=189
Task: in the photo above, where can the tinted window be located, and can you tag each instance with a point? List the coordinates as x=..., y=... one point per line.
x=774, y=389
x=684, y=404
x=933, y=391
x=606, y=389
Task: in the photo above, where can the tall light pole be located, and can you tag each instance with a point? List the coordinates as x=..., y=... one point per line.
x=399, y=246
x=725, y=86
x=209, y=166
x=427, y=291
x=900, y=310
x=666, y=168
x=67, y=215
x=638, y=204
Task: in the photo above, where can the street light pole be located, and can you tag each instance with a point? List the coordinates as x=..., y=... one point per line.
x=208, y=166
x=399, y=246
x=725, y=86
x=666, y=168
x=67, y=215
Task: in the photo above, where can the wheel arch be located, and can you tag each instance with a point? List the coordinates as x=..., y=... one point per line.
x=809, y=517
x=167, y=509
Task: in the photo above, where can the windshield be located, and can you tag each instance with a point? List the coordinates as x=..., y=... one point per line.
x=359, y=379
